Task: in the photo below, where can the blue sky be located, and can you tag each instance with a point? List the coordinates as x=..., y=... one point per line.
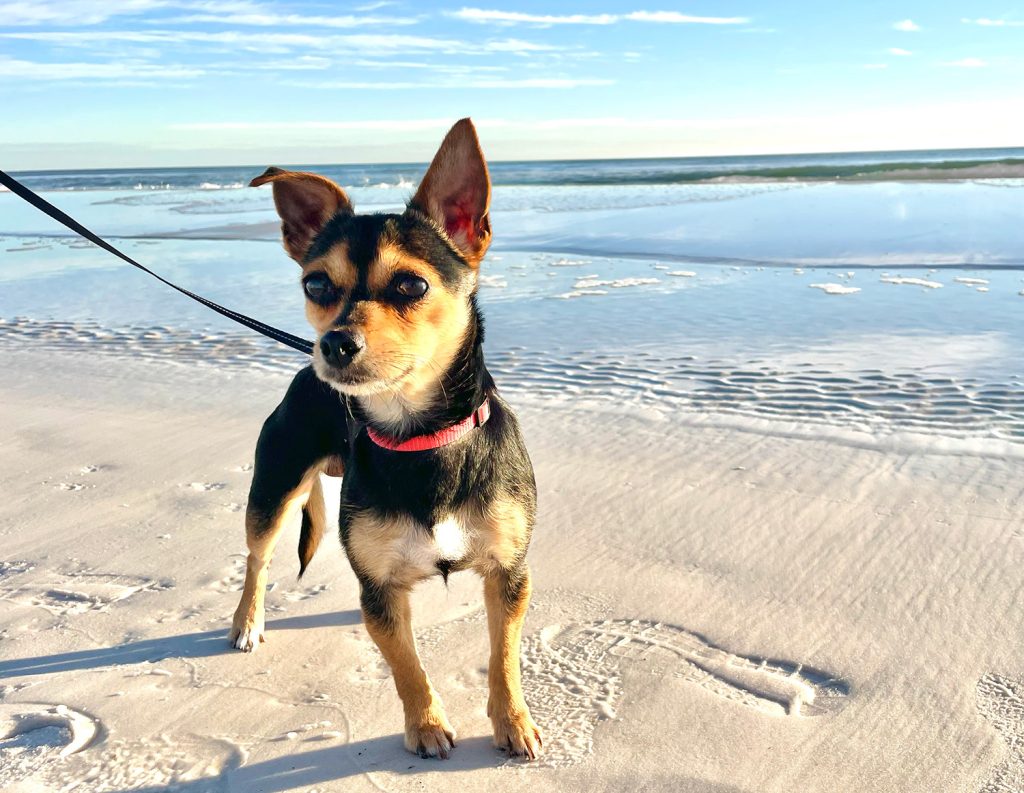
x=102, y=83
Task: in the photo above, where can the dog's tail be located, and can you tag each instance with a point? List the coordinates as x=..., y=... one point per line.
x=314, y=521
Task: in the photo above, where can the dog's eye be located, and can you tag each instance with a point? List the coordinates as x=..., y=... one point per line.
x=318, y=288
x=411, y=286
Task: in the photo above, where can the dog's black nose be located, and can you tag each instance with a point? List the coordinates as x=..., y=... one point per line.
x=339, y=347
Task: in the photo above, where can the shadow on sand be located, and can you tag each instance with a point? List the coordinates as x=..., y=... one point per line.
x=189, y=645
x=302, y=770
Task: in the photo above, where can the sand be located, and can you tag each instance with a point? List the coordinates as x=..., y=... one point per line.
x=716, y=608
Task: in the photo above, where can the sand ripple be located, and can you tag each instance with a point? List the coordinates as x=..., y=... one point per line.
x=867, y=400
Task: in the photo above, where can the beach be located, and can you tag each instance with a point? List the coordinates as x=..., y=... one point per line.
x=778, y=432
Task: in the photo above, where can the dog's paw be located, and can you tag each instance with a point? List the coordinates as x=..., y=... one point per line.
x=431, y=735
x=247, y=637
x=516, y=733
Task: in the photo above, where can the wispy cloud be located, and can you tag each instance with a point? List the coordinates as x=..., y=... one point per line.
x=34, y=70
x=994, y=23
x=900, y=52
x=674, y=17
x=460, y=85
x=361, y=43
x=267, y=19
x=71, y=12
x=968, y=63
x=267, y=126
x=483, y=16
x=907, y=25
x=79, y=13
x=494, y=16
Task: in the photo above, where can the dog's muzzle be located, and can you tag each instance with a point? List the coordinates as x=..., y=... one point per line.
x=340, y=347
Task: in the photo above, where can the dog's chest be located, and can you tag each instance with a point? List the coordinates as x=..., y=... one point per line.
x=421, y=549
x=404, y=550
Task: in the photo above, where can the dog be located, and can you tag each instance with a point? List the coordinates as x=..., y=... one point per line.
x=398, y=401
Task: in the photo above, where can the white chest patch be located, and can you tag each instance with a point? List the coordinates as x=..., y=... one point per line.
x=450, y=539
x=417, y=552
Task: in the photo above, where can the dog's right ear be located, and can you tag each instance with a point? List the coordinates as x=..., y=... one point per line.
x=305, y=202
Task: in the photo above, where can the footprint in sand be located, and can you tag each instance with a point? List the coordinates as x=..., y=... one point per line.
x=205, y=487
x=234, y=575
x=70, y=487
x=1001, y=702
x=297, y=595
x=33, y=736
x=76, y=593
x=573, y=676
x=13, y=567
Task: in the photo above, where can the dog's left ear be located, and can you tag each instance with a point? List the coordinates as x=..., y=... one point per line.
x=456, y=192
x=305, y=202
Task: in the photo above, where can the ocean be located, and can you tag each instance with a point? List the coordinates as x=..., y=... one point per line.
x=872, y=297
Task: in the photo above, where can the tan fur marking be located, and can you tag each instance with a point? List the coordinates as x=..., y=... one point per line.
x=336, y=265
x=514, y=728
x=427, y=729
x=502, y=536
x=316, y=510
x=261, y=538
x=391, y=552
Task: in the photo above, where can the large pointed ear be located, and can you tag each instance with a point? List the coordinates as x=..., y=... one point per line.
x=305, y=202
x=456, y=192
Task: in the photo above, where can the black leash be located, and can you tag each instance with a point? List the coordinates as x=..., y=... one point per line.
x=16, y=187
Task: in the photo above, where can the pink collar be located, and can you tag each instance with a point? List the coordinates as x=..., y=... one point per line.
x=422, y=443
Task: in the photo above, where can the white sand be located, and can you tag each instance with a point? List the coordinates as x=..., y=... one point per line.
x=669, y=561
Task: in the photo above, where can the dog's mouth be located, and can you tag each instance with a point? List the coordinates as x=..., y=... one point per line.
x=359, y=379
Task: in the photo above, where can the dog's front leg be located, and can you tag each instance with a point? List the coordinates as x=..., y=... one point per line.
x=388, y=618
x=507, y=594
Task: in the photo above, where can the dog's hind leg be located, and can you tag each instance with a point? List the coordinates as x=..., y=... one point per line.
x=388, y=619
x=305, y=435
x=262, y=529
x=507, y=595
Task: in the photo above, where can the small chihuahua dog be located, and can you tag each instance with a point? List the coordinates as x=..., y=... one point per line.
x=399, y=401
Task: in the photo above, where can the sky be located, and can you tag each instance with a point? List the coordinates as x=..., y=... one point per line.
x=137, y=83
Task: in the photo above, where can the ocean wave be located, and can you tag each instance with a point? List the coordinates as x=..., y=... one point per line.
x=1005, y=166
x=215, y=186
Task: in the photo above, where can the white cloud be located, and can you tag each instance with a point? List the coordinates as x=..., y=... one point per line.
x=229, y=12
x=907, y=25
x=461, y=85
x=70, y=12
x=899, y=51
x=517, y=46
x=267, y=126
x=968, y=63
x=35, y=70
x=266, y=19
x=674, y=17
x=994, y=23
x=359, y=42
x=92, y=12
x=484, y=16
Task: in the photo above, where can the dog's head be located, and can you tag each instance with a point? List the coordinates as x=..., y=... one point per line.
x=390, y=296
